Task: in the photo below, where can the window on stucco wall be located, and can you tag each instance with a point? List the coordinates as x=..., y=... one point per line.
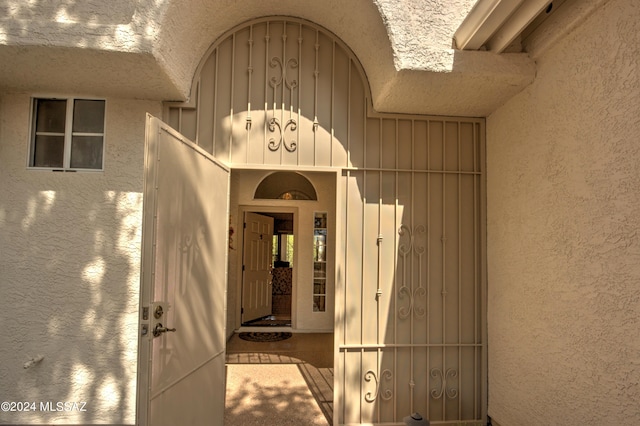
x=67, y=134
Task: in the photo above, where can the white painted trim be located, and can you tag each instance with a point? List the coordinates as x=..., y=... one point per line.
x=520, y=19
x=479, y=24
x=283, y=168
x=496, y=23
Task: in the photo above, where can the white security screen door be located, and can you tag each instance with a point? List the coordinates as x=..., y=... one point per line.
x=185, y=241
x=257, y=262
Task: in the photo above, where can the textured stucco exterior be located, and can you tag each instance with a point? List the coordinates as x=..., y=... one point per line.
x=138, y=48
x=563, y=242
x=70, y=272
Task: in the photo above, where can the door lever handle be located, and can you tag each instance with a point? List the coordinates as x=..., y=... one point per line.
x=159, y=329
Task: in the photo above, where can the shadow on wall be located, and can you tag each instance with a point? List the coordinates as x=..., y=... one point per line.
x=93, y=48
x=111, y=24
x=69, y=294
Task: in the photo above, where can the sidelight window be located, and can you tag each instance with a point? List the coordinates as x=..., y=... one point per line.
x=320, y=262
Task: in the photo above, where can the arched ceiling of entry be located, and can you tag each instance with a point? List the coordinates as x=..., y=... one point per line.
x=401, y=45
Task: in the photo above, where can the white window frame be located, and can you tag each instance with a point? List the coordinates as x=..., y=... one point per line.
x=68, y=134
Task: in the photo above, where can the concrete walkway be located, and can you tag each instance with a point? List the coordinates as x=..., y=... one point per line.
x=280, y=383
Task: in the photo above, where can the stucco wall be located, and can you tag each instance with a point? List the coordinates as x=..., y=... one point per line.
x=69, y=272
x=563, y=241
x=150, y=49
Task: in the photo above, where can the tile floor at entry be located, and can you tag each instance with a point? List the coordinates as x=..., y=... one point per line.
x=289, y=382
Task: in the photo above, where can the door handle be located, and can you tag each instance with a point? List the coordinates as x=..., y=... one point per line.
x=159, y=329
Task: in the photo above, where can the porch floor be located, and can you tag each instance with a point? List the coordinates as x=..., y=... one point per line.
x=289, y=382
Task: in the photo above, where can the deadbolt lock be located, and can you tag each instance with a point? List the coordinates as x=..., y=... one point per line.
x=158, y=312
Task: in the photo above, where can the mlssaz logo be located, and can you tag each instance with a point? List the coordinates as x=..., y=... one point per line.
x=63, y=406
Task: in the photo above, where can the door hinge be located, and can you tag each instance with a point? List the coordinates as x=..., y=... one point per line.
x=242, y=268
x=244, y=225
x=242, y=310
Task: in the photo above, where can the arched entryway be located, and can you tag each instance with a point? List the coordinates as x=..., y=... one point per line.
x=287, y=197
x=283, y=94
x=313, y=273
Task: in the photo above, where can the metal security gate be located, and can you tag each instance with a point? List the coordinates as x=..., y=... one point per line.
x=410, y=327
x=285, y=94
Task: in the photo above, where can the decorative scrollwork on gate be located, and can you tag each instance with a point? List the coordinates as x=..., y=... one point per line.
x=449, y=391
x=274, y=124
x=291, y=125
x=386, y=394
x=405, y=311
x=406, y=248
x=282, y=76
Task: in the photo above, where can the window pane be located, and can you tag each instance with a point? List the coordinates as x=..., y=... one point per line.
x=274, y=249
x=86, y=152
x=88, y=116
x=318, y=303
x=48, y=151
x=319, y=244
x=319, y=270
x=319, y=287
x=289, y=249
x=50, y=115
x=320, y=220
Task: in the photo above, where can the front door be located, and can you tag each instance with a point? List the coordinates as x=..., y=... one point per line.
x=185, y=242
x=257, y=265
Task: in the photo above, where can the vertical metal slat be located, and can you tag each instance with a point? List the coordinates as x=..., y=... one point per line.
x=460, y=369
x=267, y=41
x=249, y=81
x=444, y=266
x=215, y=101
x=233, y=65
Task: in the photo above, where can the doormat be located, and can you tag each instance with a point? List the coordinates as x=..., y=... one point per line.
x=265, y=337
x=269, y=323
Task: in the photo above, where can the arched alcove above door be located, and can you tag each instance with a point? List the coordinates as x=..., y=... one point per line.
x=285, y=186
x=277, y=91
